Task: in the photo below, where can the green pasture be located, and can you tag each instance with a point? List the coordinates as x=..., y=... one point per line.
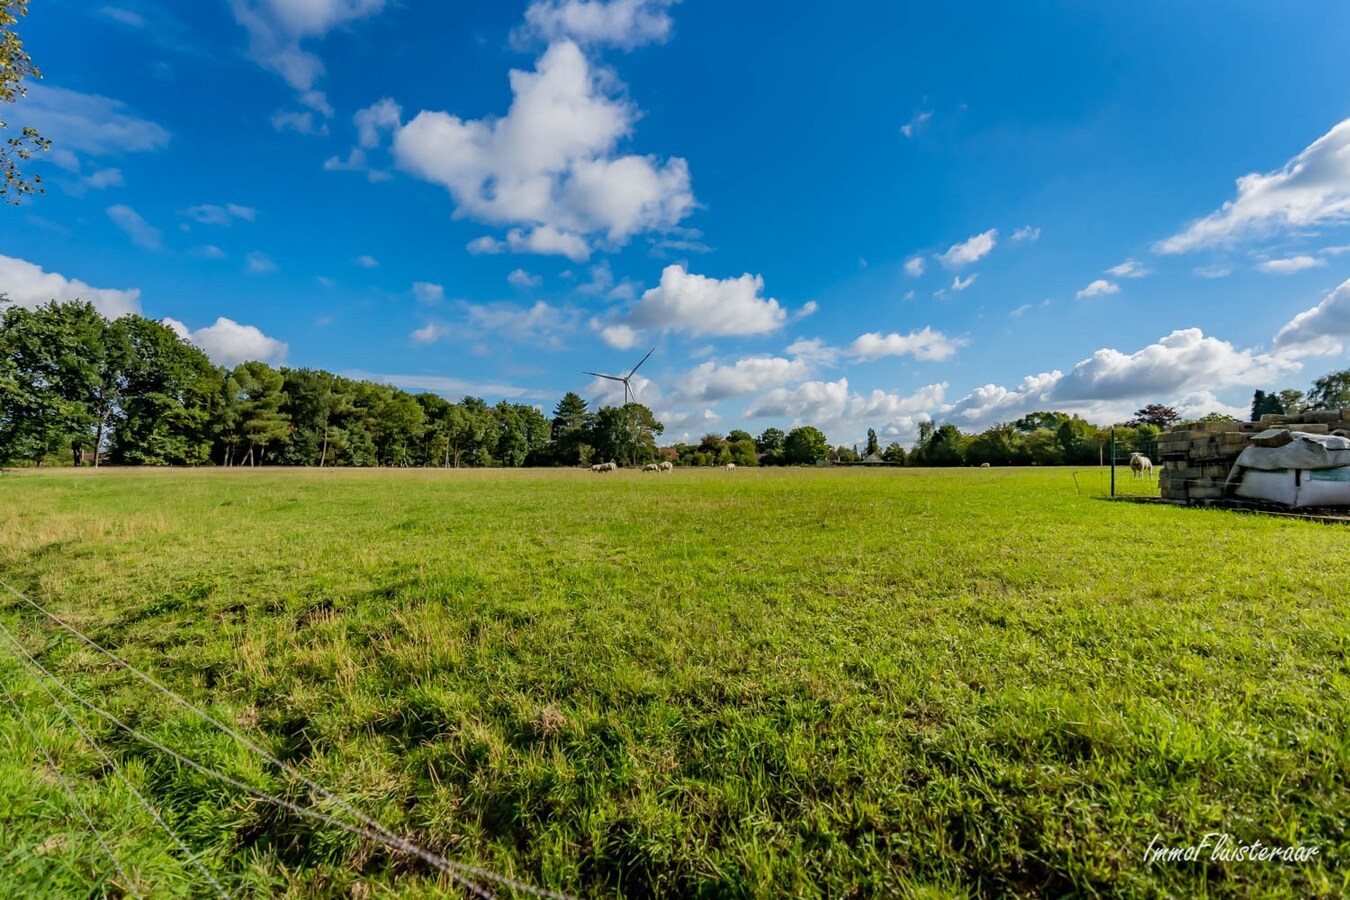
x=759, y=683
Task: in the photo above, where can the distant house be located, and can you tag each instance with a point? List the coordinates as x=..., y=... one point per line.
x=873, y=459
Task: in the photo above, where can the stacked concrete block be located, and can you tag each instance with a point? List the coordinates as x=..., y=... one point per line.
x=1197, y=458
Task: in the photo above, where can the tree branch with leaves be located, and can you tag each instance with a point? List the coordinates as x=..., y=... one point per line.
x=16, y=66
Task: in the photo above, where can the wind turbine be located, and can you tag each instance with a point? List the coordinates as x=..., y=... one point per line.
x=629, y=395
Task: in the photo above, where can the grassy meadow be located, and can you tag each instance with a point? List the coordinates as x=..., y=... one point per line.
x=760, y=683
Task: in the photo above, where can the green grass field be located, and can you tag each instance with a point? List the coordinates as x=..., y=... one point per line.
x=757, y=683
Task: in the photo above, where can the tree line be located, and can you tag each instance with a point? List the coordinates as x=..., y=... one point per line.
x=76, y=387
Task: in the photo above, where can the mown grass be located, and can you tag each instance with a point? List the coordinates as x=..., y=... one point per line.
x=709, y=684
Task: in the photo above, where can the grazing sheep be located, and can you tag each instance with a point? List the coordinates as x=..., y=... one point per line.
x=598, y=467
x=984, y=465
x=730, y=466
x=667, y=467
x=1141, y=465
x=651, y=467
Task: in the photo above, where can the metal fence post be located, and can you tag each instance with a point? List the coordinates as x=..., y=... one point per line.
x=1113, y=462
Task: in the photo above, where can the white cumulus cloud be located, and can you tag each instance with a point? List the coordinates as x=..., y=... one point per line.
x=617, y=23
x=699, y=305
x=1290, y=265
x=926, y=344
x=549, y=166
x=1311, y=189
x=1129, y=269
x=1322, y=330
x=229, y=343
x=1097, y=288
x=971, y=250
x=914, y=266
x=141, y=232
x=29, y=285
x=277, y=28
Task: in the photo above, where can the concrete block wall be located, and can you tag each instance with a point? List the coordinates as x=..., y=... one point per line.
x=1197, y=458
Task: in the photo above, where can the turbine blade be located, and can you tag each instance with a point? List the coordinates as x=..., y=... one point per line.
x=598, y=375
x=644, y=359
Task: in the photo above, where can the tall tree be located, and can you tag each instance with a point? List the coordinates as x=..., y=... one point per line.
x=873, y=445
x=1331, y=391
x=259, y=397
x=804, y=446
x=571, y=424
x=771, y=441
x=1264, y=404
x=1155, y=414
x=15, y=66
x=167, y=403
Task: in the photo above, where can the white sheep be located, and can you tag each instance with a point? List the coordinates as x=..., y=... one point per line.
x=667, y=466
x=730, y=466
x=598, y=467
x=1141, y=465
x=651, y=467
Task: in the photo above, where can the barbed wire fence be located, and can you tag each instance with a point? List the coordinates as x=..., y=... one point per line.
x=475, y=881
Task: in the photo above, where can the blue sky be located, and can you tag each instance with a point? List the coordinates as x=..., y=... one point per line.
x=856, y=218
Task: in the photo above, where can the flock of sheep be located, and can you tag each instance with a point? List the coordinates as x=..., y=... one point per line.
x=602, y=468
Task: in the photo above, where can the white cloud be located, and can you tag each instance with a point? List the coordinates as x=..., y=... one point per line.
x=618, y=23
x=141, y=232
x=539, y=323
x=1182, y=370
x=712, y=382
x=914, y=266
x=522, y=279
x=355, y=162
x=618, y=336
x=1185, y=360
x=299, y=122
x=258, y=263
x=814, y=351
x=1311, y=189
x=1097, y=288
x=209, y=251
x=431, y=332
x=911, y=128
x=1290, y=265
x=1027, y=233
x=427, y=293
x=276, y=29
x=809, y=308
x=1213, y=271
x=1322, y=330
x=366, y=261
x=549, y=164
x=991, y=402
x=87, y=124
x=104, y=179
x=1020, y=310
x=1129, y=269
x=453, y=388
x=698, y=305
x=228, y=214
x=228, y=343
x=372, y=122
x=970, y=250
x=543, y=241
x=125, y=16
x=28, y=285
x=925, y=344
x=830, y=405
x=960, y=284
